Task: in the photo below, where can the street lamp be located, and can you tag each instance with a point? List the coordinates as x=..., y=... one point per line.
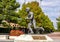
x=24, y=1
x=40, y=2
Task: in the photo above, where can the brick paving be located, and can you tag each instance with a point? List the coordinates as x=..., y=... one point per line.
x=55, y=36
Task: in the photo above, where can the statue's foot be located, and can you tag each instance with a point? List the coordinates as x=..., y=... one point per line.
x=32, y=32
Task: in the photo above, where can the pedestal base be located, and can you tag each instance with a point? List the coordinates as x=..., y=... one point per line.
x=33, y=38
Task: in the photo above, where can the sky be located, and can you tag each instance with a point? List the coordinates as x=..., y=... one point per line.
x=49, y=7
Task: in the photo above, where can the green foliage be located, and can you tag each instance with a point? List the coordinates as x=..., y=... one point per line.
x=40, y=17
x=58, y=19
x=5, y=24
x=23, y=22
x=58, y=23
x=8, y=10
x=8, y=13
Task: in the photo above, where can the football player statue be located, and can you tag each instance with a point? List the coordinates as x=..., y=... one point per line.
x=31, y=19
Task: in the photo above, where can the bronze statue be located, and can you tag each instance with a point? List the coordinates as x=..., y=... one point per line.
x=31, y=18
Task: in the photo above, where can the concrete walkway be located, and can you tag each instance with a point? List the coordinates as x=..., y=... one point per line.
x=55, y=36
x=6, y=40
x=3, y=39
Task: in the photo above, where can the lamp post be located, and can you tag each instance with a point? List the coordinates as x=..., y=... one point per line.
x=24, y=1
x=40, y=2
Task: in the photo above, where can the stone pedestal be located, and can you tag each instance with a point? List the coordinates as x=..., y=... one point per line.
x=33, y=38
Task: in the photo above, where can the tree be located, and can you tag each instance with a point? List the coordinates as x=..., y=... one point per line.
x=40, y=17
x=58, y=23
x=8, y=10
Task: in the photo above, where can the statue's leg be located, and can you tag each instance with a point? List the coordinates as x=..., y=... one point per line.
x=34, y=24
x=29, y=26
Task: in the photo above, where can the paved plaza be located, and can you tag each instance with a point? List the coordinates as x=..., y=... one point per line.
x=55, y=36
x=6, y=40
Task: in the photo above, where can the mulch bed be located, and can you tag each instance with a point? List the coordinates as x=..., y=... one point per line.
x=16, y=33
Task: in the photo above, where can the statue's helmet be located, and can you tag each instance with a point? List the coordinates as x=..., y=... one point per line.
x=27, y=9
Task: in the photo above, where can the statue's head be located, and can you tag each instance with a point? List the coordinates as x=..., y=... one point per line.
x=27, y=9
